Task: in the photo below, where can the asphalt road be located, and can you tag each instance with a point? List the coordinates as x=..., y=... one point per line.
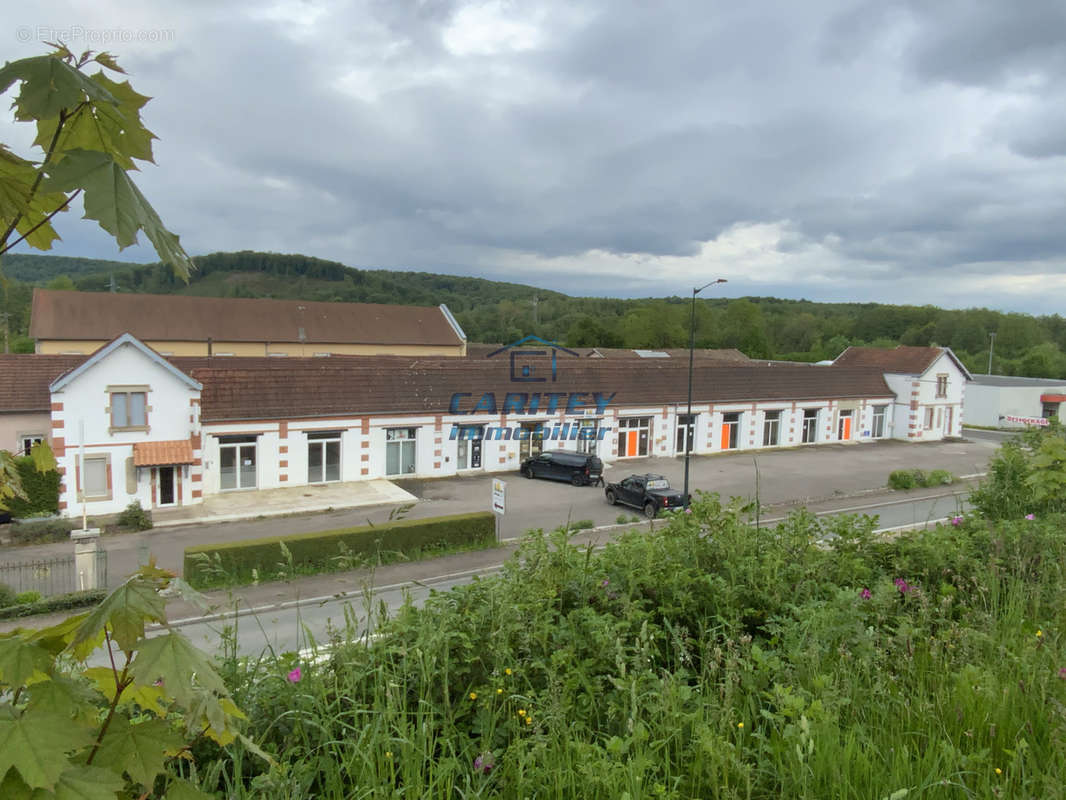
x=293, y=625
x=804, y=475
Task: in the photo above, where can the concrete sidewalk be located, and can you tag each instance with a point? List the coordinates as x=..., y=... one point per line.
x=266, y=503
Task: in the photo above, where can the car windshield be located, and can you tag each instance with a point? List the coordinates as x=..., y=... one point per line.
x=658, y=483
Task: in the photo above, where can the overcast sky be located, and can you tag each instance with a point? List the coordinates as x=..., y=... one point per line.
x=891, y=151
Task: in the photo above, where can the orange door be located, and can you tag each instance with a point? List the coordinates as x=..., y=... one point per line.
x=726, y=428
x=845, y=431
x=631, y=444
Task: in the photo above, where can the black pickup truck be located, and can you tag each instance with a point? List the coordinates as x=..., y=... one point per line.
x=651, y=493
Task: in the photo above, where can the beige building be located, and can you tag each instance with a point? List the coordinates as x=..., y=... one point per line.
x=79, y=323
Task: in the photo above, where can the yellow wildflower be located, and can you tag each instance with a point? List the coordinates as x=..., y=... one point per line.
x=740, y=724
x=529, y=720
x=521, y=712
x=1039, y=634
x=473, y=695
x=388, y=754
x=499, y=691
x=507, y=671
x=999, y=771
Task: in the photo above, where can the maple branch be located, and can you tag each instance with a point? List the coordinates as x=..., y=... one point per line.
x=63, y=117
x=120, y=686
x=45, y=221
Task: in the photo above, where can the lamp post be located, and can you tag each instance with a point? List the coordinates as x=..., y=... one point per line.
x=690, y=427
x=991, y=346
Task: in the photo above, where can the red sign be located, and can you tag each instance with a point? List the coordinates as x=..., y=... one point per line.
x=1027, y=420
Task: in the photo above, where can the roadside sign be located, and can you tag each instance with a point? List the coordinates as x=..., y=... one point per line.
x=499, y=494
x=1042, y=421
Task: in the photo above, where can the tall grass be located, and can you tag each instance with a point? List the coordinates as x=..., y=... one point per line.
x=709, y=659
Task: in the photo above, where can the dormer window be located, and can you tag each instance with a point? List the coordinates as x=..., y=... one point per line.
x=128, y=408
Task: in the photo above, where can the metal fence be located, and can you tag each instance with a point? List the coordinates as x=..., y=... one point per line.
x=51, y=576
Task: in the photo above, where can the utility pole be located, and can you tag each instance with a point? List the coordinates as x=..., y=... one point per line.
x=991, y=345
x=536, y=300
x=690, y=424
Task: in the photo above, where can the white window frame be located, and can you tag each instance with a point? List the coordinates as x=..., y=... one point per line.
x=771, y=422
x=107, y=492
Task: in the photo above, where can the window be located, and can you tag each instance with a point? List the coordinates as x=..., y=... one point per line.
x=26, y=441
x=323, y=456
x=237, y=462
x=1049, y=410
x=941, y=385
x=686, y=433
x=129, y=409
x=400, y=451
x=810, y=425
x=929, y=419
x=96, y=478
x=878, y=428
x=770, y=428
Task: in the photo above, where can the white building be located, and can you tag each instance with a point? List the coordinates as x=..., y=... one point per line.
x=929, y=384
x=128, y=424
x=1003, y=401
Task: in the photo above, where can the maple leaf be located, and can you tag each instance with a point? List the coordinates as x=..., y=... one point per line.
x=82, y=782
x=186, y=672
x=138, y=750
x=21, y=660
x=181, y=789
x=113, y=200
x=36, y=746
x=125, y=610
x=49, y=86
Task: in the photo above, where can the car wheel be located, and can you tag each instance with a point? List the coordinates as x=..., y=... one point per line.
x=611, y=499
x=527, y=471
x=576, y=480
x=650, y=510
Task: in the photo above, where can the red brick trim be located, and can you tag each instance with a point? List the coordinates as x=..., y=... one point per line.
x=197, y=493
x=62, y=505
x=57, y=406
x=57, y=424
x=283, y=478
x=283, y=448
x=196, y=477
x=364, y=457
x=283, y=464
x=283, y=430
x=364, y=471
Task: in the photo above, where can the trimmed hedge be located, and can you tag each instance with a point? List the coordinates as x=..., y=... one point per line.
x=42, y=531
x=42, y=490
x=60, y=602
x=330, y=550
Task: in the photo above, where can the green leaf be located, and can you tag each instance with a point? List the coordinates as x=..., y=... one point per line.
x=114, y=201
x=21, y=660
x=44, y=459
x=49, y=85
x=126, y=610
x=186, y=672
x=36, y=745
x=113, y=128
x=107, y=60
x=148, y=697
x=138, y=750
x=65, y=697
x=10, y=480
x=181, y=789
x=83, y=782
x=55, y=638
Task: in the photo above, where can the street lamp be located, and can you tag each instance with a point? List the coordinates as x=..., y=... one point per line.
x=690, y=427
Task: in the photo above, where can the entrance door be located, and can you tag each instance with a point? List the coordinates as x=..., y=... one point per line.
x=469, y=455
x=730, y=430
x=323, y=456
x=167, y=490
x=949, y=419
x=633, y=436
x=844, y=426
x=686, y=434
x=531, y=442
x=237, y=462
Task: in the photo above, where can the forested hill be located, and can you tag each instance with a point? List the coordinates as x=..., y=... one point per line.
x=493, y=311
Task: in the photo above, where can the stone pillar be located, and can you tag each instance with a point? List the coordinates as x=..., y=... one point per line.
x=86, y=545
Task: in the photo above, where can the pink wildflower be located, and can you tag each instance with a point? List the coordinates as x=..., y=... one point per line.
x=865, y=594
x=1030, y=517
x=294, y=676
x=1062, y=673
x=484, y=762
x=956, y=521
x=903, y=586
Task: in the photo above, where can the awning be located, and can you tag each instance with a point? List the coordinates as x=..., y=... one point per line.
x=154, y=454
x=1053, y=398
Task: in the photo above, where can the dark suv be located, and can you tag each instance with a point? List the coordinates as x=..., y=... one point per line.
x=580, y=469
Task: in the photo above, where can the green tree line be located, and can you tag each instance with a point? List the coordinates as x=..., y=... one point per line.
x=495, y=311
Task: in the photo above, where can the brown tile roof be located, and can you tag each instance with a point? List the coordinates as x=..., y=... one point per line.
x=383, y=385
x=292, y=388
x=58, y=315
x=903, y=359
x=153, y=454
x=24, y=380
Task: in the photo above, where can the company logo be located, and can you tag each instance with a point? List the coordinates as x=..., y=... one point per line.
x=526, y=367
x=534, y=366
